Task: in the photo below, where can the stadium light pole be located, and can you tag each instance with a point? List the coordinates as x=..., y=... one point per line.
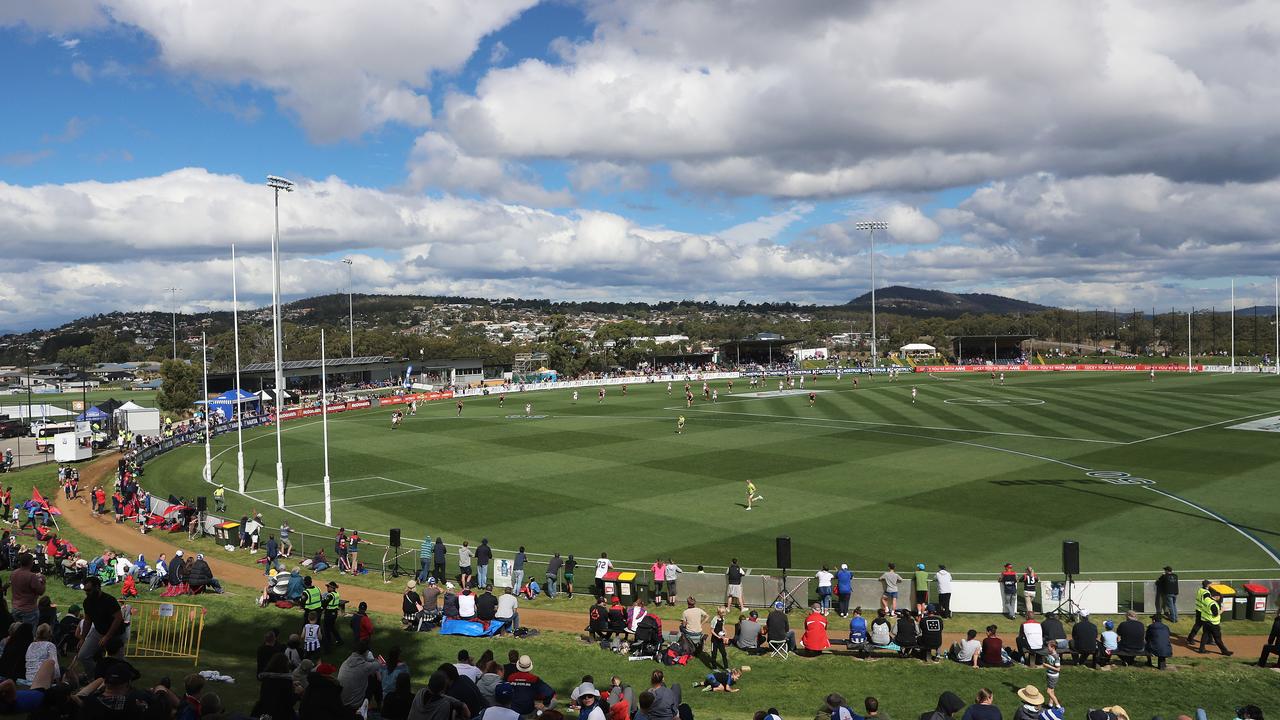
x=173, y=310
x=324, y=423
x=1233, y=326
x=1275, y=318
x=351, y=308
x=871, y=226
x=277, y=184
x=204, y=363
x=235, y=328
x=1188, y=342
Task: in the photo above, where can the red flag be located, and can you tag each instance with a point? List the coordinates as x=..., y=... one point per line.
x=44, y=504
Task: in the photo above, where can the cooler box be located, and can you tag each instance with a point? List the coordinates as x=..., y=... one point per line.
x=1228, y=594
x=621, y=583
x=1256, y=601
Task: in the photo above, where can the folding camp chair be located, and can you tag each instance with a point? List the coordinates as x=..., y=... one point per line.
x=779, y=648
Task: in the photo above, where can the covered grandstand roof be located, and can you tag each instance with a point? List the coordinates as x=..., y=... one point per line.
x=330, y=363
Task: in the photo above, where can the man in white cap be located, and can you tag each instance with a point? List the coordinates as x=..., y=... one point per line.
x=844, y=588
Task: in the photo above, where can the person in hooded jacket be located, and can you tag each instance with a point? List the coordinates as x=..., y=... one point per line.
x=949, y=704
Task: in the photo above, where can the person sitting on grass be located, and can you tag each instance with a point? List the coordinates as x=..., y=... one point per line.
x=1157, y=641
x=747, y=635
x=949, y=704
x=722, y=680
x=984, y=707
x=930, y=634
x=906, y=633
x=967, y=651
x=201, y=577
x=993, y=653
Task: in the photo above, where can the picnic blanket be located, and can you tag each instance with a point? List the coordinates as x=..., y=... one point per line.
x=471, y=628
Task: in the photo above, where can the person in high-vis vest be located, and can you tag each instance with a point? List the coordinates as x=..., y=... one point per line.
x=331, y=603
x=310, y=598
x=1202, y=600
x=1213, y=624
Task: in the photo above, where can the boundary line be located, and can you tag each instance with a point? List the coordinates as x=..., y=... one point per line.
x=1200, y=427
x=357, y=497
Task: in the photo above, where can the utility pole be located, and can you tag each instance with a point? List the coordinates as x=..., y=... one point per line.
x=173, y=307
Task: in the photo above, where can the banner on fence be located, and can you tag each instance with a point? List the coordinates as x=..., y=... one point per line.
x=1082, y=367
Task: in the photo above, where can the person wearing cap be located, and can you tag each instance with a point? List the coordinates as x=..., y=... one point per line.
x=330, y=605
x=586, y=700
x=1009, y=590
x=529, y=692
x=778, y=628
x=1167, y=594
x=843, y=589
x=1157, y=641
x=746, y=636
x=920, y=584
x=113, y=692
x=431, y=596
x=815, y=637
x=503, y=695
x=201, y=576
x=1213, y=623
x=450, y=608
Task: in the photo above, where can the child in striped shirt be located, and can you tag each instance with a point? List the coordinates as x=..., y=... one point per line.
x=1052, y=668
x=311, y=636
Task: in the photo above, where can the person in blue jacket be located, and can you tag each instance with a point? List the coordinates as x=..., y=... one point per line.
x=844, y=588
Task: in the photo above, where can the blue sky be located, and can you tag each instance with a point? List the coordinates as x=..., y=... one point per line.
x=601, y=149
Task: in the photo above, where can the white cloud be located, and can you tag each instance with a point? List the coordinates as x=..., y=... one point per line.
x=832, y=99
x=82, y=71
x=498, y=53
x=340, y=71
x=608, y=176
x=436, y=161
x=766, y=228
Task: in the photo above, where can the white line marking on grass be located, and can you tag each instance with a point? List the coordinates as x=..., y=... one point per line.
x=358, y=497
x=916, y=427
x=1263, y=546
x=321, y=483
x=1199, y=427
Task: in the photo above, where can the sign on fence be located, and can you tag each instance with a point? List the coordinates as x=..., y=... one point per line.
x=165, y=630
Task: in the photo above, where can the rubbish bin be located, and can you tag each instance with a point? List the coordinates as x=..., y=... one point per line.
x=1256, y=601
x=621, y=583
x=1239, y=605
x=1228, y=594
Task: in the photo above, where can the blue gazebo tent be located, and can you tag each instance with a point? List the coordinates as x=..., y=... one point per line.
x=93, y=414
x=226, y=402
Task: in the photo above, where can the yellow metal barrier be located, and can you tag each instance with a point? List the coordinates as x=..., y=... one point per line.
x=165, y=630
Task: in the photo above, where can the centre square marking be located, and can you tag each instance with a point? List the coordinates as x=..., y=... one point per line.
x=979, y=401
x=1270, y=424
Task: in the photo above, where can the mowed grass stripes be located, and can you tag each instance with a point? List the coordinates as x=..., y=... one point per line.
x=865, y=476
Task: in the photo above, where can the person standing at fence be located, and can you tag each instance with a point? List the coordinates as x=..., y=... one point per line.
x=570, y=566
x=1009, y=590
x=353, y=552
x=517, y=569
x=424, y=559
x=844, y=589
x=286, y=545
x=1029, y=581
x=603, y=566
x=464, y=564
x=484, y=556
x=553, y=574
x=438, y=559
x=673, y=574
x=733, y=585
x=824, y=578
x=943, y=576
x=659, y=570
x=1167, y=594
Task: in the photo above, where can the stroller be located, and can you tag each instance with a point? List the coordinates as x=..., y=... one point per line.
x=648, y=638
x=424, y=621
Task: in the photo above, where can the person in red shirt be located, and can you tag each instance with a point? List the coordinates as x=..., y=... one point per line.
x=993, y=650
x=362, y=625
x=815, y=631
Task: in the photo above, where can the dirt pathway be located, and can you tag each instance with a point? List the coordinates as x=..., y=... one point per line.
x=127, y=539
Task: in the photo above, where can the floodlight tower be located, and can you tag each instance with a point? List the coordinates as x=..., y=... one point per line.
x=351, y=308
x=277, y=184
x=871, y=226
